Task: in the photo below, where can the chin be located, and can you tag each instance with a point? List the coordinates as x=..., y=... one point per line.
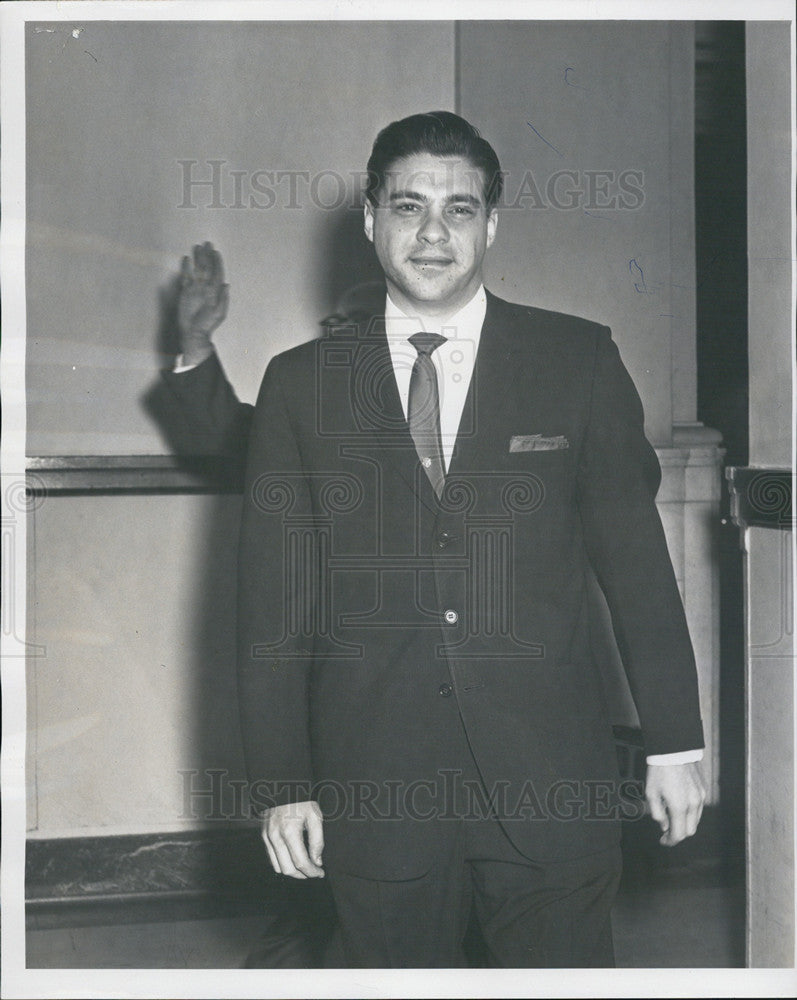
x=432, y=290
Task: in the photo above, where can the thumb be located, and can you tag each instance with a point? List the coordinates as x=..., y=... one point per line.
x=658, y=811
x=315, y=837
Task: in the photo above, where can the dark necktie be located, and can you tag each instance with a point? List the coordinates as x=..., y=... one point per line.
x=423, y=409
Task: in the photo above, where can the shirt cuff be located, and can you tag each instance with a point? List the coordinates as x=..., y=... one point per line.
x=682, y=757
x=180, y=367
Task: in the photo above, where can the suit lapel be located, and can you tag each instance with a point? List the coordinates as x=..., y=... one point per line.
x=492, y=386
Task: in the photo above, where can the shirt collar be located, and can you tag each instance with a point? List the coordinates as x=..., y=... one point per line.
x=465, y=324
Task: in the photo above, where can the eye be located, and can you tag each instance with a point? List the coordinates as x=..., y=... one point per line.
x=406, y=208
x=462, y=211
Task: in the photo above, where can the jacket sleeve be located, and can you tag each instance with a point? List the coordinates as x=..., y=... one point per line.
x=275, y=584
x=204, y=416
x=619, y=476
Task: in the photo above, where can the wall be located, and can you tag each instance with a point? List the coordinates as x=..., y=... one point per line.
x=112, y=113
x=597, y=96
x=135, y=681
x=769, y=571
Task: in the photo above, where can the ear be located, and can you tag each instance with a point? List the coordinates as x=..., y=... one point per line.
x=492, y=225
x=368, y=220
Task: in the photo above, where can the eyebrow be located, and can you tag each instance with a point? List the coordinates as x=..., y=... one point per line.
x=468, y=199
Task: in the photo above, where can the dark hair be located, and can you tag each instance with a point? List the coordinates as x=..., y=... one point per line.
x=440, y=133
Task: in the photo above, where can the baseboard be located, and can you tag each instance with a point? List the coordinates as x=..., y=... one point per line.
x=78, y=881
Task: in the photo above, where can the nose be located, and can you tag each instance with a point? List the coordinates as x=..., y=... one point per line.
x=433, y=229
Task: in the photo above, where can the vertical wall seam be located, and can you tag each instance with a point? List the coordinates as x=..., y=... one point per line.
x=457, y=67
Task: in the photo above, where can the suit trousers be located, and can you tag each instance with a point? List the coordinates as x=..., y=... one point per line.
x=555, y=915
x=530, y=914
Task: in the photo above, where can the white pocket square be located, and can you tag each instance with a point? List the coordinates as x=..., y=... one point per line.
x=537, y=442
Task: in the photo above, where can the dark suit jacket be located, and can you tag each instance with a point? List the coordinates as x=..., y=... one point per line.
x=375, y=620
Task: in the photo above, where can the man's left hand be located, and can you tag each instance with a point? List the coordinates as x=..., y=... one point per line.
x=675, y=794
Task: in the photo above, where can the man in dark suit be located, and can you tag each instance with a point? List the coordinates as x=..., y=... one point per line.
x=422, y=718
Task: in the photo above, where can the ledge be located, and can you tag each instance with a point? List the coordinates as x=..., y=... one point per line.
x=197, y=875
x=150, y=864
x=80, y=475
x=103, y=474
x=695, y=435
x=694, y=446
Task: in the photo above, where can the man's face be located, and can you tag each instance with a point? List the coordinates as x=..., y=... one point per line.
x=430, y=231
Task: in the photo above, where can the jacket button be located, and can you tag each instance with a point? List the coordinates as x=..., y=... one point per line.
x=444, y=539
x=445, y=690
x=451, y=617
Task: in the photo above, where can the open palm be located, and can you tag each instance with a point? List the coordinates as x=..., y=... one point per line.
x=202, y=302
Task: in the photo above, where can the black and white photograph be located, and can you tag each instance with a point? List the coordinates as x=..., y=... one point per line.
x=397, y=463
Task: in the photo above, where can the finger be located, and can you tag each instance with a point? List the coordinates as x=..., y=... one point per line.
x=678, y=825
x=200, y=263
x=315, y=837
x=223, y=302
x=218, y=266
x=287, y=867
x=217, y=303
x=272, y=857
x=209, y=255
x=694, y=815
x=294, y=838
x=691, y=820
x=186, y=270
x=658, y=812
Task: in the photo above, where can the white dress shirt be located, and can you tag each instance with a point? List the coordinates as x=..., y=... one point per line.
x=453, y=360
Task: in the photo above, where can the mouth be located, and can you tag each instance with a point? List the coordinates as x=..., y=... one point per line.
x=435, y=262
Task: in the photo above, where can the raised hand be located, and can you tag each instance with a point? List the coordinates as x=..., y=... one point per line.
x=202, y=303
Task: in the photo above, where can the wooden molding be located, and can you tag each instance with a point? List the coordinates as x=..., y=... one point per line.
x=103, y=474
